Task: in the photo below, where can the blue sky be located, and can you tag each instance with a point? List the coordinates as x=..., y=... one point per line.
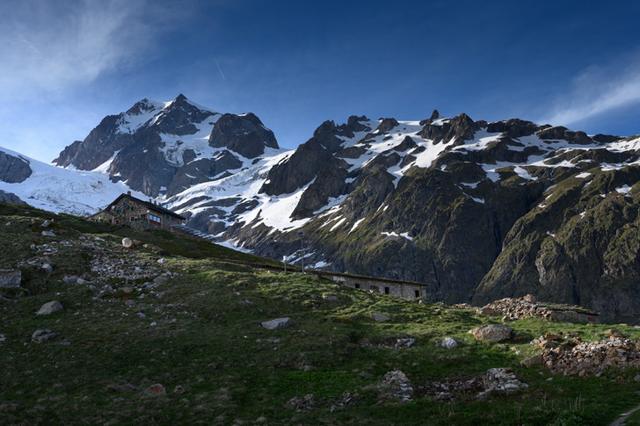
x=67, y=64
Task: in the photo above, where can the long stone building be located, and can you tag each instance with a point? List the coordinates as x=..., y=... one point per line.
x=404, y=289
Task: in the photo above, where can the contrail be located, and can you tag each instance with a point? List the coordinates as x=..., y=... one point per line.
x=220, y=71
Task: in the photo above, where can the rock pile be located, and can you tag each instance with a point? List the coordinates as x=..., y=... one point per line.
x=345, y=400
x=517, y=308
x=10, y=278
x=494, y=381
x=302, y=403
x=573, y=357
x=501, y=381
x=395, y=386
x=512, y=309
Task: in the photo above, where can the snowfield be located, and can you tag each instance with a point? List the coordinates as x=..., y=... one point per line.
x=63, y=190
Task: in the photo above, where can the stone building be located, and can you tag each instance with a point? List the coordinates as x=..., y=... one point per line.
x=138, y=214
x=403, y=289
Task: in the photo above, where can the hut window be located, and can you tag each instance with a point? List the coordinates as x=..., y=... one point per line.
x=386, y=290
x=417, y=293
x=154, y=218
x=357, y=285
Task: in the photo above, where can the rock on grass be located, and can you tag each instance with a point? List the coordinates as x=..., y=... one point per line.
x=43, y=335
x=277, y=323
x=50, y=308
x=449, y=343
x=492, y=333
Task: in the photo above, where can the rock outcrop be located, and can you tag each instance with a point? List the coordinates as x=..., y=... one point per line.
x=10, y=198
x=13, y=169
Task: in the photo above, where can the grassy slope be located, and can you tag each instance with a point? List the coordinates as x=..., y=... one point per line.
x=232, y=369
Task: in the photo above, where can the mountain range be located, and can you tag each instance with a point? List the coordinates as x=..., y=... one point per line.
x=476, y=210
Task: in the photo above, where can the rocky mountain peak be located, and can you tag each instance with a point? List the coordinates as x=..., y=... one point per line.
x=244, y=134
x=142, y=106
x=514, y=128
x=458, y=129
x=180, y=98
x=162, y=148
x=386, y=125
x=355, y=123
x=180, y=117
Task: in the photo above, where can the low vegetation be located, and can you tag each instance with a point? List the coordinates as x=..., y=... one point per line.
x=189, y=348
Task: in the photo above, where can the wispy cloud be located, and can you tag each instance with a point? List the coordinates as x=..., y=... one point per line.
x=598, y=90
x=53, y=45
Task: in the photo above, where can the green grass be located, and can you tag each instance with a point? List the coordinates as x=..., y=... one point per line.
x=207, y=340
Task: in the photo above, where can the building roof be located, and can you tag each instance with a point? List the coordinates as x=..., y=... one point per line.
x=153, y=207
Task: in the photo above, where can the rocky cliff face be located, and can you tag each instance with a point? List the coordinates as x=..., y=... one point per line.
x=476, y=210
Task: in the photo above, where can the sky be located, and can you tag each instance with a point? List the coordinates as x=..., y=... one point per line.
x=64, y=65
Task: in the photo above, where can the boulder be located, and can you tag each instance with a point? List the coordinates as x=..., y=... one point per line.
x=50, y=308
x=127, y=242
x=73, y=279
x=43, y=335
x=48, y=234
x=492, y=333
x=10, y=278
x=449, y=343
x=276, y=323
